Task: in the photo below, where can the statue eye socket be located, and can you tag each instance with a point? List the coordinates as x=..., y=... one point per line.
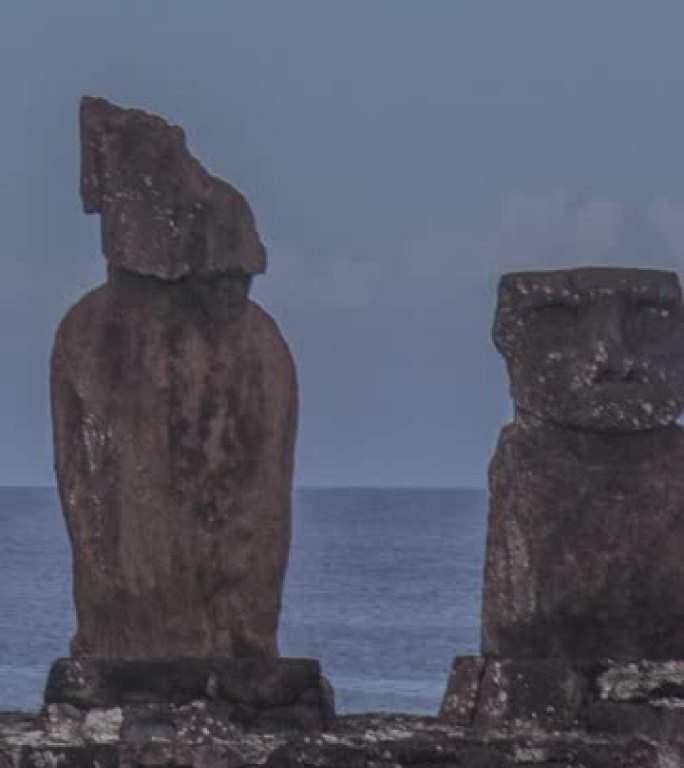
x=652, y=314
x=555, y=323
x=656, y=313
x=556, y=312
x=648, y=324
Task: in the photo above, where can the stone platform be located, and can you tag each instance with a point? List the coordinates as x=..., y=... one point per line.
x=607, y=697
x=266, y=694
x=244, y=713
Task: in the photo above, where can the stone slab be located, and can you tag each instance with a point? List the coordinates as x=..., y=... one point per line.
x=463, y=689
x=526, y=693
x=602, y=696
x=280, y=693
x=654, y=681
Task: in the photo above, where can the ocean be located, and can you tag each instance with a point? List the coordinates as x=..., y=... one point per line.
x=383, y=587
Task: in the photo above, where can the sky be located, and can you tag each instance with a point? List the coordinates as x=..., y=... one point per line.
x=398, y=155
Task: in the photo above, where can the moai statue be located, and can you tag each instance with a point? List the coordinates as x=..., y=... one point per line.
x=585, y=540
x=174, y=406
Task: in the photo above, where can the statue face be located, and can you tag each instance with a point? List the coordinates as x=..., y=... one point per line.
x=600, y=349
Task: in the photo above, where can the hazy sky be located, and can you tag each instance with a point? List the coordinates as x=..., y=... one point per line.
x=398, y=156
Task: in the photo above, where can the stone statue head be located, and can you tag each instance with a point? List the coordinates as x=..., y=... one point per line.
x=162, y=214
x=599, y=349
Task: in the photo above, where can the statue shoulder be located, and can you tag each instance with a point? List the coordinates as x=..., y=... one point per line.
x=81, y=314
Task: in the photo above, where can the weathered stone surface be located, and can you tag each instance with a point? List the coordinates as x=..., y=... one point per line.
x=258, y=683
x=538, y=694
x=594, y=348
x=174, y=408
x=366, y=741
x=584, y=545
x=67, y=757
x=661, y=723
x=556, y=695
x=585, y=536
x=374, y=742
x=526, y=694
x=213, y=757
x=162, y=214
x=174, y=412
x=643, y=681
x=459, y=705
x=102, y=700
x=583, y=609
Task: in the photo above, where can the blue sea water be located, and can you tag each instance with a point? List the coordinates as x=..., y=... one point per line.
x=383, y=587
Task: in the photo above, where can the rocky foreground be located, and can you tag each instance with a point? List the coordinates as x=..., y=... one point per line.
x=194, y=736
x=237, y=714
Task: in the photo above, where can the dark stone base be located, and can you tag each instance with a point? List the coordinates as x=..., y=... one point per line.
x=592, y=696
x=86, y=756
x=265, y=694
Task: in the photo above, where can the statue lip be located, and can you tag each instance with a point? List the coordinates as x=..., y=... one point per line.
x=610, y=383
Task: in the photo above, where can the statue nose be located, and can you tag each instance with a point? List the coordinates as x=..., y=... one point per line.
x=614, y=361
x=608, y=345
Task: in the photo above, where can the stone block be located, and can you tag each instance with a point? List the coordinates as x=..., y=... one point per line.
x=463, y=689
x=265, y=693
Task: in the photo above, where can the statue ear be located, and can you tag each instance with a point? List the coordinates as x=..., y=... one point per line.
x=91, y=123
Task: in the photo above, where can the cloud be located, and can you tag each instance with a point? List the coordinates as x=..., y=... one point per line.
x=453, y=265
x=666, y=217
x=544, y=231
x=598, y=228
x=553, y=230
x=334, y=280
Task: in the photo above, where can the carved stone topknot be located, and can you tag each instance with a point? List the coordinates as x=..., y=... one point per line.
x=600, y=349
x=163, y=214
